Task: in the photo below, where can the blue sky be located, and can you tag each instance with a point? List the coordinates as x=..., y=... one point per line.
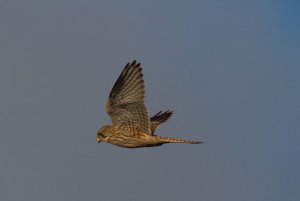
x=229, y=71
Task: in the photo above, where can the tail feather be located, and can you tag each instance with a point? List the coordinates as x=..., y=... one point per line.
x=176, y=140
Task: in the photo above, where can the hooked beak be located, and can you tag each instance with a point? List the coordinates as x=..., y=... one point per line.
x=98, y=140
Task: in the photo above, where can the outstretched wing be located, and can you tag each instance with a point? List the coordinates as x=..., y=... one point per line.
x=125, y=104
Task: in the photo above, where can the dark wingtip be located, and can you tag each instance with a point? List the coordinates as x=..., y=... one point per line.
x=162, y=116
x=135, y=63
x=169, y=112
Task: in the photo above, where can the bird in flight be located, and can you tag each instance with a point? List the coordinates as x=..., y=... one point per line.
x=131, y=126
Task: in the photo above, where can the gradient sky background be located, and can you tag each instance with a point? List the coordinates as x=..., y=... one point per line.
x=229, y=70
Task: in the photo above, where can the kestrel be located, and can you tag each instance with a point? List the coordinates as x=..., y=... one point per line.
x=131, y=126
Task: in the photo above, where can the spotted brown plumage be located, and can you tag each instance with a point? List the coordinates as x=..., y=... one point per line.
x=131, y=126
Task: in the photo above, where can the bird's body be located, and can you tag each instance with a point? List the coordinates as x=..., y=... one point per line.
x=136, y=139
x=131, y=126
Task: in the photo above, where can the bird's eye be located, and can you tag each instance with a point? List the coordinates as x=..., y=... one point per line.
x=103, y=135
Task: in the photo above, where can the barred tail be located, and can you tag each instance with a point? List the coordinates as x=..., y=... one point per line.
x=175, y=140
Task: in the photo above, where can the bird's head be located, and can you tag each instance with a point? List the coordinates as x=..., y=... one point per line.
x=102, y=135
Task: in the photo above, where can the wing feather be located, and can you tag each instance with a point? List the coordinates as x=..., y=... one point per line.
x=125, y=104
